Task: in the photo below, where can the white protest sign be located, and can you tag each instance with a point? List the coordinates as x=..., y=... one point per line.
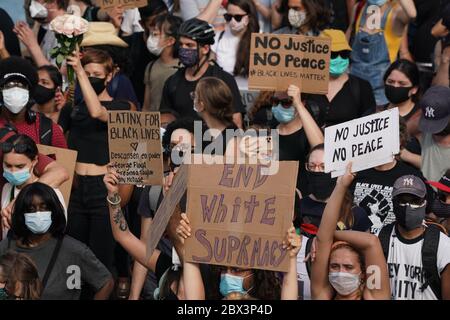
x=366, y=142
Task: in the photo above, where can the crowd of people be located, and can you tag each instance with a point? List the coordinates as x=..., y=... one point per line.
x=381, y=233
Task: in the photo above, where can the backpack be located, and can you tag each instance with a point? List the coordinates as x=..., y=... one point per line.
x=430, y=247
x=45, y=129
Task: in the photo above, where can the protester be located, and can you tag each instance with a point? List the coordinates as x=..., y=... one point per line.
x=377, y=40
x=408, y=245
x=349, y=97
x=38, y=224
x=341, y=268
x=196, y=38
x=161, y=43
x=88, y=220
x=435, y=127
x=19, y=279
x=440, y=208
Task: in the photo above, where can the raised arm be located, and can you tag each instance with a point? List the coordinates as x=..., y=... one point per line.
x=320, y=286
x=293, y=243
x=211, y=11
x=404, y=13
x=312, y=130
x=262, y=9
x=95, y=109
x=29, y=40
x=377, y=282
x=3, y=51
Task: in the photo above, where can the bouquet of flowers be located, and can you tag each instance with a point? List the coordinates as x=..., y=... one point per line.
x=69, y=30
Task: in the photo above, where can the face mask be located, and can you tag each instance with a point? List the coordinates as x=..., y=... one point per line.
x=17, y=178
x=37, y=10
x=188, y=57
x=321, y=184
x=397, y=94
x=378, y=3
x=407, y=217
x=344, y=283
x=230, y=283
x=153, y=45
x=338, y=66
x=43, y=95
x=38, y=222
x=296, y=18
x=3, y=294
x=283, y=115
x=15, y=99
x=239, y=26
x=98, y=84
x=440, y=209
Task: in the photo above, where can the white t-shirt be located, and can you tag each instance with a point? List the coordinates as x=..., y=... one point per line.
x=303, y=280
x=6, y=199
x=405, y=267
x=226, y=49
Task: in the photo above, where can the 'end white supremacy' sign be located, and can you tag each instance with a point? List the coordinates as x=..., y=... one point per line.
x=366, y=142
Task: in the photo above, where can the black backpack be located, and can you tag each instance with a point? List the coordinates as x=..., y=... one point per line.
x=45, y=128
x=430, y=247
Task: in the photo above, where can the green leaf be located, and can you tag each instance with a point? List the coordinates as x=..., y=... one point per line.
x=59, y=59
x=67, y=43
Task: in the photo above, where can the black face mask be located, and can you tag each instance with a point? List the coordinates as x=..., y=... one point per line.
x=440, y=209
x=321, y=185
x=397, y=94
x=43, y=95
x=98, y=84
x=407, y=217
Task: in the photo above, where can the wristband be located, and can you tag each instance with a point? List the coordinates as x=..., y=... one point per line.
x=111, y=201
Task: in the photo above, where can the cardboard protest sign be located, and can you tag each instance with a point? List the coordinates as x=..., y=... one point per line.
x=366, y=142
x=135, y=146
x=166, y=209
x=127, y=4
x=279, y=60
x=67, y=158
x=239, y=216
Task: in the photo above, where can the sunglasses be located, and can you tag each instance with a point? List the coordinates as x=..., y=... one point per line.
x=342, y=54
x=237, y=17
x=286, y=103
x=18, y=148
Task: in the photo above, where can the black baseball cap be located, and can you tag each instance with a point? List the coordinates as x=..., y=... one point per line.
x=19, y=69
x=409, y=184
x=435, y=105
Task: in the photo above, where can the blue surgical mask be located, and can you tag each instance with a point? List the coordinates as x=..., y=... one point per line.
x=230, y=283
x=17, y=178
x=38, y=222
x=376, y=2
x=283, y=115
x=338, y=66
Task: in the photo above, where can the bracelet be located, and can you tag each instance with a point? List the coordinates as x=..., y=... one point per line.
x=111, y=201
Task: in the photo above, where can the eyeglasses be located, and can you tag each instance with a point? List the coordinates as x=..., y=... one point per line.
x=342, y=54
x=237, y=17
x=315, y=167
x=18, y=148
x=285, y=103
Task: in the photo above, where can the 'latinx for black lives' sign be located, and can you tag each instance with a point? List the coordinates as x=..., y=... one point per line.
x=237, y=216
x=279, y=60
x=135, y=146
x=366, y=142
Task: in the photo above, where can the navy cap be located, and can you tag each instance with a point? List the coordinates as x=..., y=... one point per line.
x=435, y=105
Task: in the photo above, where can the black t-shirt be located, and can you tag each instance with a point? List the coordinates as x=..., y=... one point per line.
x=354, y=100
x=311, y=208
x=176, y=97
x=372, y=191
x=339, y=18
x=87, y=135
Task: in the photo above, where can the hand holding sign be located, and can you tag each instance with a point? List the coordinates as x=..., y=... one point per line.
x=293, y=242
x=111, y=181
x=347, y=179
x=295, y=93
x=184, y=229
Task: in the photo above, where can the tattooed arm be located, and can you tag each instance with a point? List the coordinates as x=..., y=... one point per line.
x=134, y=246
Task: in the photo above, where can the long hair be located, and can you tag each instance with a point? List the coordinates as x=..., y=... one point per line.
x=217, y=98
x=24, y=204
x=410, y=70
x=20, y=268
x=241, y=68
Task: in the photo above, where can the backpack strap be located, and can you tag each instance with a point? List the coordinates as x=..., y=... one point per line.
x=45, y=130
x=52, y=262
x=429, y=260
x=385, y=238
x=7, y=129
x=153, y=197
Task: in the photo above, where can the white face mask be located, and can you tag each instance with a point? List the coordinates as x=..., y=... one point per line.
x=239, y=26
x=344, y=283
x=15, y=99
x=37, y=10
x=296, y=18
x=153, y=45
